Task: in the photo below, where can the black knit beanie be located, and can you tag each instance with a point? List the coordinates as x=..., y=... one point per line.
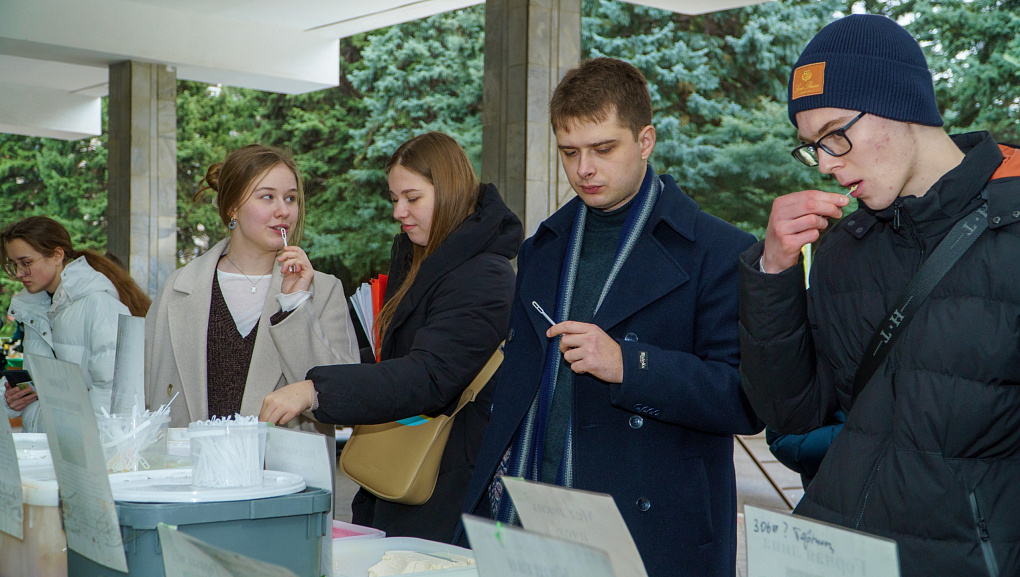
x=868, y=63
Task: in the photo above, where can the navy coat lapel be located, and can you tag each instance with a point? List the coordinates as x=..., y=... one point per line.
x=649, y=275
x=541, y=281
x=652, y=271
x=541, y=284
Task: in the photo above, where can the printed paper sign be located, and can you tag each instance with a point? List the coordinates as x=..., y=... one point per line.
x=581, y=516
x=90, y=518
x=785, y=544
x=502, y=551
x=129, y=368
x=308, y=455
x=11, y=504
x=186, y=556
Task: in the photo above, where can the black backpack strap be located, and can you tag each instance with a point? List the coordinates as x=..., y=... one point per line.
x=952, y=247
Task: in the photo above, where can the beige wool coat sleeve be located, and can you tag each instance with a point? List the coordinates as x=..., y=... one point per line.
x=318, y=332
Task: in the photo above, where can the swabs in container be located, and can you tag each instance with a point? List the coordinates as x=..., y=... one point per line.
x=227, y=452
x=124, y=438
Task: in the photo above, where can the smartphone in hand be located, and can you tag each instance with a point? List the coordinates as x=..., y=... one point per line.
x=18, y=378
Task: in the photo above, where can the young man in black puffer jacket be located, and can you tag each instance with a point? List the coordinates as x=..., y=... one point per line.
x=930, y=453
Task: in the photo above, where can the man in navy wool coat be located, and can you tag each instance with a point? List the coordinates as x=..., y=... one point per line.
x=631, y=386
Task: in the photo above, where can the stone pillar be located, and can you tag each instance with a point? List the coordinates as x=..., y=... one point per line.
x=529, y=46
x=142, y=197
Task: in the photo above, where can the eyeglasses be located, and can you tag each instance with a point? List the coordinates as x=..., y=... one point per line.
x=834, y=143
x=19, y=268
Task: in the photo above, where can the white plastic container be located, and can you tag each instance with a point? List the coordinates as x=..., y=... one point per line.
x=353, y=557
x=33, y=453
x=134, y=443
x=178, y=448
x=350, y=532
x=43, y=551
x=227, y=454
x=30, y=441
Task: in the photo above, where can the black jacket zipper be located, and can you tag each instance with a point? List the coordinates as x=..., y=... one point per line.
x=902, y=219
x=867, y=488
x=983, y=537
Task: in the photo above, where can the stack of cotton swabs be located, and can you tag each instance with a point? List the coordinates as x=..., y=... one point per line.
x=126, y=438
x=227, y=452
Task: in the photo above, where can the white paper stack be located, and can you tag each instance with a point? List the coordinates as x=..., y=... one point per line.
x=361, y=300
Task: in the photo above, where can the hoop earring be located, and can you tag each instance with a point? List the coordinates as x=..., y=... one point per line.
x=232, y=224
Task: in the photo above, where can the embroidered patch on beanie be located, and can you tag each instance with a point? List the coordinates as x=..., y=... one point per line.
x=808, y=80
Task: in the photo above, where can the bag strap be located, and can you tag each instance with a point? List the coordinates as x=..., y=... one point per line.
x=946, y=254
x=481, y=379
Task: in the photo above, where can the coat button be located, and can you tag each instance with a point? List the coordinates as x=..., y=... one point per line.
x=630, y=338
x=860, y=229
x=643, y=504
x=996, y=220
x=850, y=222
x=1016, y=214
x=170, y=390
x=510, y=335
x=636, y=421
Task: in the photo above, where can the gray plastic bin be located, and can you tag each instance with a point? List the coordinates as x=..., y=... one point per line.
x=286, y=531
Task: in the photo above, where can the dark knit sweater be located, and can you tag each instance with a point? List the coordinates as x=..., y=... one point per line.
x=598, y=251
x=229, y=355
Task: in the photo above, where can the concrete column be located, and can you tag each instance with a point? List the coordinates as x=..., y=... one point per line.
x=529, y=46
x=142, y=198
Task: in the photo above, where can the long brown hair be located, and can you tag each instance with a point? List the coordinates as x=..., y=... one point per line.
x=234, y=179
x=438, y=159
x=46, y=235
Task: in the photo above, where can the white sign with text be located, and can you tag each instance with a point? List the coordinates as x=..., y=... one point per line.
x=584, y=517
x=11, y=505
x=129, y=366
x=305, y=454
x=790, y=545
x=90, y=517
x=186, y=556
x=502, y=551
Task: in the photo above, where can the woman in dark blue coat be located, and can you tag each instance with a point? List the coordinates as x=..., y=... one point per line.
x=447, y=308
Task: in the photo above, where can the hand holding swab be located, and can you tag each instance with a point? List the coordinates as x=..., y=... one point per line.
x=283, y=233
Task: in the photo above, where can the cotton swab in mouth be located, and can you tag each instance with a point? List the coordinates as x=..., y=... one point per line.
x=853, y=188
x=283, y=233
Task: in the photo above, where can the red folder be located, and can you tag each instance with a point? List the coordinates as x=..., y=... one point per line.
x=378, y=294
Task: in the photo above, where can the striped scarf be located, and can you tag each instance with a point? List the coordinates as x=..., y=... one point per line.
x=524, y=457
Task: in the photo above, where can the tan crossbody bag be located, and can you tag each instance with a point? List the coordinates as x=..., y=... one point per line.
x=400, y=463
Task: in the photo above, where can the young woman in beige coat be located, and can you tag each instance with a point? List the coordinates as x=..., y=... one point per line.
x=250, y=315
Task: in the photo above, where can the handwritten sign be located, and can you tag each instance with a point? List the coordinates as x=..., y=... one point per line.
x=186, y=556
x=90, y=517
x=784, y=544
x=308, y=455
x=11, y=504
x=581, y=516
x=502, y=551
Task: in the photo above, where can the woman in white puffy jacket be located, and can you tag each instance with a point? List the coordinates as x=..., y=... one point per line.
x=69, y=308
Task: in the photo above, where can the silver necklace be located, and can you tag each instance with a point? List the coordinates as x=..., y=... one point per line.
x=254, y=287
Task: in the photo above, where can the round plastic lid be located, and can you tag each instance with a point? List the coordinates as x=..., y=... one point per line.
x=174, y=486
